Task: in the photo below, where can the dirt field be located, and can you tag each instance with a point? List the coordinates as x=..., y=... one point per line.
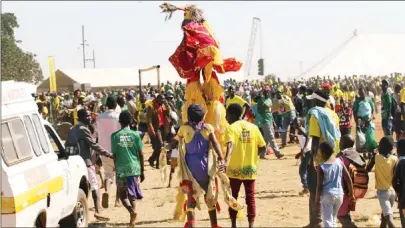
x=277, y=200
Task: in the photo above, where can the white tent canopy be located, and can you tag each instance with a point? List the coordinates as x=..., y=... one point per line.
x=119, y=77
x=364, y=54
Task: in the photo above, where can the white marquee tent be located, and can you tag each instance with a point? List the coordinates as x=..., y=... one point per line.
x=118, y=77
x=363, y=54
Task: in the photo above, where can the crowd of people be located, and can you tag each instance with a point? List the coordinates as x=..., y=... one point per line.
x=317, y=113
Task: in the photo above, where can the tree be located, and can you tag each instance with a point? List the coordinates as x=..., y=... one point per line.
x=270, y=76
x=15, y=63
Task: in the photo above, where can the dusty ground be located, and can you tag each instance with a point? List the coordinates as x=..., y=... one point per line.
x=277, y=200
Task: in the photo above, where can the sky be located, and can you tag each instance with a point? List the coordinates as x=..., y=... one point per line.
x=295, y=35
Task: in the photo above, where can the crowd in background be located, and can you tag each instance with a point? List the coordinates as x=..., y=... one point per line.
x=318, y=113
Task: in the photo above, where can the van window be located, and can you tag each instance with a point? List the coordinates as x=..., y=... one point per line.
x=32, y=135
x=40, y=132
x=9, y=152
x=56, y=144
x=15, y=142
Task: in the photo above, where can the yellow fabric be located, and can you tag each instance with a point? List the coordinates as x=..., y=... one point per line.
x=142, y=117
x=338, y=94
x=315, y=131
x=212, y=90
x=75, y=120
x=235, y=100
x=179, y=214
x=187, y=132
x=56, y=103
x=215, y=116
x=193, y=95
x=270, y=82
x=287, y=105
x=384, y=171
x=398, y=78
x=351, y=96
x=288, y=92
x=45, y=110
x=246, y=139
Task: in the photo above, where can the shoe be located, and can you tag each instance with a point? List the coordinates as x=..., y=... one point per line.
x=263, y=158
x=100, y=217
x=151, y=162
x=305, y=191
x=280, y=156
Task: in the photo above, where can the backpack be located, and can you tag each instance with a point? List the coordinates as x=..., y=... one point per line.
x=360, y=180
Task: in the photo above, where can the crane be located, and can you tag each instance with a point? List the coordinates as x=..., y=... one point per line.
x=256, y=25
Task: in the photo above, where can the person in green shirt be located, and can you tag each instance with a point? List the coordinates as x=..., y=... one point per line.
x=121, y=101
x=264, y=106
x=126, y=146
x=386, y=105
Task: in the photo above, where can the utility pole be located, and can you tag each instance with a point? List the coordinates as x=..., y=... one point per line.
x=84, y=49
x=92, y=60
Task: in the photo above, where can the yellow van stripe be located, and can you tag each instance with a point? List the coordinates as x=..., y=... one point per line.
x=12, y=205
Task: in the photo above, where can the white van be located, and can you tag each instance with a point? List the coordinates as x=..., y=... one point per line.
x=41, y=185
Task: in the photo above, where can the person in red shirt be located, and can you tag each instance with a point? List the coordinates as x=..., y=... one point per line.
x=345, y=113
x=158, y=126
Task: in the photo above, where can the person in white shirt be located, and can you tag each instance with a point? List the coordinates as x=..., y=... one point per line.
x=67, y=102
x=106, y=124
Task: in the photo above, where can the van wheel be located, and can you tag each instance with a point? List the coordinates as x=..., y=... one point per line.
x=41, y=221
x=79, y=216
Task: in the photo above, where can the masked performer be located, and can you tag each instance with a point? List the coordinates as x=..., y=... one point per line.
x=199, y=53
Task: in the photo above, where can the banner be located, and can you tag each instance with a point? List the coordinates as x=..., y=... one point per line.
x=52, y=76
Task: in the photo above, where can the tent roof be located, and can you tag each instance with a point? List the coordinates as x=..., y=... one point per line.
x=119, y=77
x=122, y=77
x=364, y=54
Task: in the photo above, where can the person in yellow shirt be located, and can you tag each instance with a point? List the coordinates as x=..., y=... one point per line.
x=80, y=105
x=244, y=144
x=141, y=113
x=385, y=163
x=235, y=99
x=338, y=95
x=351, y=95
x=322, y=124
x=285, y=106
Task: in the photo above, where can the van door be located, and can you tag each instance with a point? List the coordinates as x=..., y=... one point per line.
x=68, y=201
x=54, y=200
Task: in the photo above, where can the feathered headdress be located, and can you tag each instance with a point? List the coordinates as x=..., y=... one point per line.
x=191, y=12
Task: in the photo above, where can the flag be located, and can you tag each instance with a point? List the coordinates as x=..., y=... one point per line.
x=52, y=76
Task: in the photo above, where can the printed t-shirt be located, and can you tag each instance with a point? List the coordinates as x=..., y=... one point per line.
x=386, y=104
x=264, y=109
x=384, y=171
x=246, y=139
x=126, y=146
x=314, y=130
x=235, y=100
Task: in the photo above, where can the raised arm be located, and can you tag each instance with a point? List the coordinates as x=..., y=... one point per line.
x=93, y=145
